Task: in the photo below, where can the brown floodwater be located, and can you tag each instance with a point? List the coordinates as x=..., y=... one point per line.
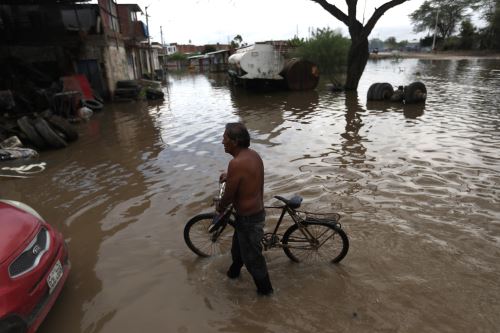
x=418, y=188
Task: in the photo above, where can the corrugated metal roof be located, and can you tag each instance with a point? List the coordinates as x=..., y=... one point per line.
x=215, y=52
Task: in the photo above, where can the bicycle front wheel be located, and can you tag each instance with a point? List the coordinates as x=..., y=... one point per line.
x=315, y=242
x=204, y=243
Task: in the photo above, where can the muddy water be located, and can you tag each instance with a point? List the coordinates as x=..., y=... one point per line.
x=418, y=188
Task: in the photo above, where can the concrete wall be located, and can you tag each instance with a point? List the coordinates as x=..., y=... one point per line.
x=112, y=58
x=116, y=66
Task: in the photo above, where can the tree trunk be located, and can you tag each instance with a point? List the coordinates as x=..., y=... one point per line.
x=356, y=62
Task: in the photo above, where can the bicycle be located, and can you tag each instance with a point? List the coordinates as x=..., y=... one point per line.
x=311, y=237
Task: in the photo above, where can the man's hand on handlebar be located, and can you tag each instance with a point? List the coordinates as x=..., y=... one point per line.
x=222, y=177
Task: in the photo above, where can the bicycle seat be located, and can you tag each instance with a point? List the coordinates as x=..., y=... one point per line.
x=293, y=203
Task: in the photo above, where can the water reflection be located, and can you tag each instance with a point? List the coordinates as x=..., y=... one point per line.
x=352, y=147
x=410, y=111
x=265, y=113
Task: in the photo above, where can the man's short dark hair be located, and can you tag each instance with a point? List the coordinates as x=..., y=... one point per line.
x=239, y=133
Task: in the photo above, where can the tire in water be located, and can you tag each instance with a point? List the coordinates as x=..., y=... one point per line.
x=370, y=96
x=331, y=245
x=202, y=242
x=48, y=134
x=383, y=91
x=31, y=133
x=415, y=92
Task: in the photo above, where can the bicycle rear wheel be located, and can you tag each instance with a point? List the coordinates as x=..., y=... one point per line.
x=315, y=242
x=204, y=243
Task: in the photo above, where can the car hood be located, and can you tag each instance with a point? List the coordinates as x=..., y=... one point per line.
x=16, y=227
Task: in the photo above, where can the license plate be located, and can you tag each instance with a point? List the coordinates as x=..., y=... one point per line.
x=54, y=276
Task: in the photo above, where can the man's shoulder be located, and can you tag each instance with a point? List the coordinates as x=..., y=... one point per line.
x=246, y=156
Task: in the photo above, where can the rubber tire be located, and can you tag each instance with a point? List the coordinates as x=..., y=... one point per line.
x=336, y=228
x=413, y=92
x=31, y=133
x=63, y=126
x=48, y=134
x=383, y=91
x=127, y=84
x=370, y=94
x=204, y=218
x=92, y=104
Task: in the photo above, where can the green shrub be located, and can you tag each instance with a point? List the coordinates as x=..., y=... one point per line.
x=328, y=49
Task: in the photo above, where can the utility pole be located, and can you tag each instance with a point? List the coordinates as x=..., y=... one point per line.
x=435, y=31
x=149, y=42
x=161, y=34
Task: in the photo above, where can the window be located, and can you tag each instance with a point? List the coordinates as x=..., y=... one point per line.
x=113, y=16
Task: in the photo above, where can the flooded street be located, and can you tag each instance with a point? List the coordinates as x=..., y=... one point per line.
x=418, y=188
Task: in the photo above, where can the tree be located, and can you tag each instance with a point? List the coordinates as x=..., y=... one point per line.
x=467, y=34
x=236, y=42
x=296, y=41
x=391, y=43
x=177, y=56
x=327, y=49
x=448, y=13
x=490, y=35
x=358, y=50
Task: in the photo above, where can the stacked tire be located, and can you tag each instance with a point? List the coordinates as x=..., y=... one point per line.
x=127, y=89
x=46, y=132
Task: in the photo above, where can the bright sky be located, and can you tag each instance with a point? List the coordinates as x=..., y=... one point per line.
x=212, y=21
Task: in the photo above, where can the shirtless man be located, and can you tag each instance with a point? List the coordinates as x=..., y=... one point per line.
x=244, y=189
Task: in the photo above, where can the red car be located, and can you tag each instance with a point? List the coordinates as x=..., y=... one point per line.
x=34, y=265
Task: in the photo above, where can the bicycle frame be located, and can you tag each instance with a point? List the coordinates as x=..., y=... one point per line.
x=270, y=240
x=298, y=221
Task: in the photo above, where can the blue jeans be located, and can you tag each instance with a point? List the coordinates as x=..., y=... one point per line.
x=247, y=247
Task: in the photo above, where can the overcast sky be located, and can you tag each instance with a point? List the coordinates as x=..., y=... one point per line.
x=212, y=21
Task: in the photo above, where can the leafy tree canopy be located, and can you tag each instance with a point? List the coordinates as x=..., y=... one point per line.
x=236, y=42
x=449, y=14
x=177, y=56
x=328, y=49
x=296, y=41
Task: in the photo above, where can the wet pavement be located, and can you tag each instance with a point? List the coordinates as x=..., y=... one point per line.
x=418, y=188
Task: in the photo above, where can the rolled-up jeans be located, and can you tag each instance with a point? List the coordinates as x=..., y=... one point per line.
x=247, y=247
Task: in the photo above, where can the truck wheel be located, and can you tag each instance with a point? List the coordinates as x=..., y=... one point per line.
x=383, y=91
x=415, y=92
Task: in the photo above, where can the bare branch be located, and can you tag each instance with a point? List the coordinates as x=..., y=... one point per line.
x=351, y=8
x=379, y=12
x=332, y=9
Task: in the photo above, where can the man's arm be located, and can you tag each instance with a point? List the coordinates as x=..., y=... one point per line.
x=232, y=183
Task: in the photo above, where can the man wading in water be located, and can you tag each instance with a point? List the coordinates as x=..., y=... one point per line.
x=245, y=189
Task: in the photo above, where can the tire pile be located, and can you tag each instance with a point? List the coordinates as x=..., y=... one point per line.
x=42, y=132
x=415, y=92
x=127, y=90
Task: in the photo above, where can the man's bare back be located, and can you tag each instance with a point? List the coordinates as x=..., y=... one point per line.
x=244, y=179
x=247, y=171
